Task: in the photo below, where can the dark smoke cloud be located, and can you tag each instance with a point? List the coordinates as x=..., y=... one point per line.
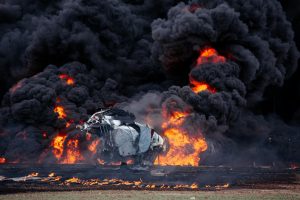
x=105, y=35
x=139, y=55
x=258, y=42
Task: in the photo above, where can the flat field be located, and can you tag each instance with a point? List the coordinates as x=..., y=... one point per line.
x=230, y=194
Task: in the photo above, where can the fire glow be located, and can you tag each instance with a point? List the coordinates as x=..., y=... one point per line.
x=58, y=145
x=68, y=79
x=210, y=55
x=2, y=160
x=60, y=111
x=93, y=146
x=73, y=154
x=184, y=149
x=198, y=86
x=67, y=150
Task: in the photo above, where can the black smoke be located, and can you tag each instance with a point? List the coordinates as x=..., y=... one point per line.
x=139, y=54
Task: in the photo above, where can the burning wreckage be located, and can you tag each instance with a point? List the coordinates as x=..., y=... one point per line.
x=123, y=138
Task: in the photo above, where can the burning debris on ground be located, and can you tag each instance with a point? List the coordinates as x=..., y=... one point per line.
x=182, y=83
x=88, y=177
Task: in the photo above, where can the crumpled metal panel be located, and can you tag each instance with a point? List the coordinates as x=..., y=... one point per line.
x=145, y=138
x=124, y=139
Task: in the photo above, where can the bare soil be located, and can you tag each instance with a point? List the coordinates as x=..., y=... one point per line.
x=290, y=192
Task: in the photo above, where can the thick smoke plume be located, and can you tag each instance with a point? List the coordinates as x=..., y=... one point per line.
x=146, y=57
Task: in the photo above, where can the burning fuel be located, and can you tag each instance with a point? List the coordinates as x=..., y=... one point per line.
x=67, y=150
x=73, y=154
x=58, y=145
x=184, y=148
x=54, y=179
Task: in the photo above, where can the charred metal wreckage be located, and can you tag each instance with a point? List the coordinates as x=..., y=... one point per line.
x=122, y=138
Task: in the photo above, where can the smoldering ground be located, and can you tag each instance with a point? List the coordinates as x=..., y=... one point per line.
x=138, y=55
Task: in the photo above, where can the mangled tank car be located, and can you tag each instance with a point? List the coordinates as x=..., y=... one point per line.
x=123, y=138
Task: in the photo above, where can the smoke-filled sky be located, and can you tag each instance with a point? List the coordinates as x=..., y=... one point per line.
x=145, y=56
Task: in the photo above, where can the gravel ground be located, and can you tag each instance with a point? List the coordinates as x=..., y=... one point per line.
x=230, y=194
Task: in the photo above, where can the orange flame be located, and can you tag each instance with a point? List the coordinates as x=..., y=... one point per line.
x=130, y=162
x=219, y=187
x=73, y=180
x=60, y=111
x=184, y=149
x=69, y=123
x=69, y=80
x=2, y=160
x=73, y=154
x=176, y=118
x=201, y=86
x=52, y=174
x=93, y=146
x=58, y=145
x=33, y=174
x=210, y=55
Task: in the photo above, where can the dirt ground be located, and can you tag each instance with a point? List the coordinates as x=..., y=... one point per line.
x=230, y=194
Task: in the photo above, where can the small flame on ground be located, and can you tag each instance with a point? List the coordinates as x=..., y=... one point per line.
x=52, y=178
x=105, y=182
x=52, y=174
x=69, y=80
x=33, y=174
x=210, y=55
x=73, y=180
x=219, y=187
